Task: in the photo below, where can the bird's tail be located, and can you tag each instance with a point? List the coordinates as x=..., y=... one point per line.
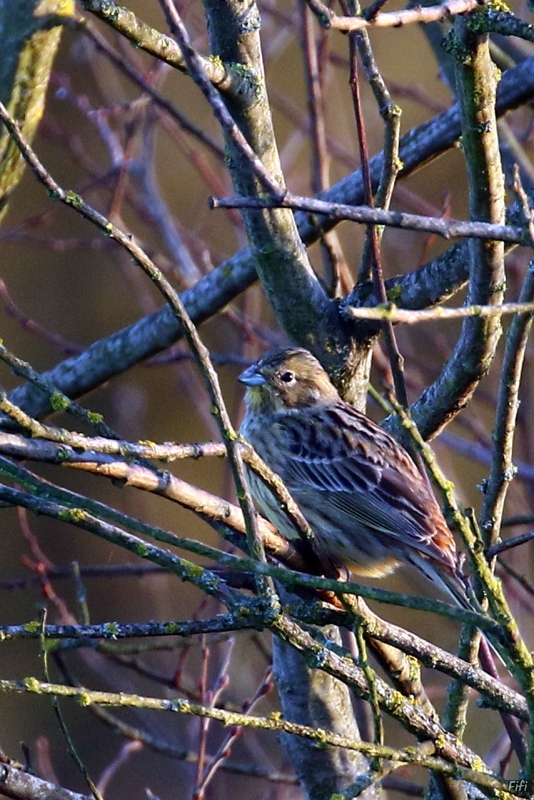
x=456, y=585
x=449, y=579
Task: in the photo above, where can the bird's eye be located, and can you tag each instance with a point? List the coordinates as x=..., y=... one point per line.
x=287, y=377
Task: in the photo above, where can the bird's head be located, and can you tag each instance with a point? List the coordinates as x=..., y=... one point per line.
x=287, y=379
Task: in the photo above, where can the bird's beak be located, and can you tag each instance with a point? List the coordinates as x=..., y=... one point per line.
x=251, y=377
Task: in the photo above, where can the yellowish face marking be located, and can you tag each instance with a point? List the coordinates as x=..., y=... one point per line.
x=292, y=379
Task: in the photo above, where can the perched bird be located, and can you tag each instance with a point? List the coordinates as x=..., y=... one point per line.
x=367, y=503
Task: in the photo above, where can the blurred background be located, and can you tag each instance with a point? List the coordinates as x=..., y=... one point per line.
x=65, y=286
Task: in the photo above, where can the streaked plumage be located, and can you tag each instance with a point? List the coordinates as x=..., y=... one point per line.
x=362, y=494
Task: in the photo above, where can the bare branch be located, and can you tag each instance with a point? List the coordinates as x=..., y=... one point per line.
x=447, y=228
x=438, y=314
x=393, y=19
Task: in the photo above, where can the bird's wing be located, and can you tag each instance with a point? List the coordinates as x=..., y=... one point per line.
x=357, y=477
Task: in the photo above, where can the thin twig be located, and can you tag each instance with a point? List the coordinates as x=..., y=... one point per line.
x=502, y=547
x=394, y=19
x=447, y=228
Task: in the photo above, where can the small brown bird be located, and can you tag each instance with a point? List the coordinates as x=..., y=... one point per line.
x=366, y=501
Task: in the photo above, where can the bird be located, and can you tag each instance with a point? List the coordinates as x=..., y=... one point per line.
x=370, y=508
